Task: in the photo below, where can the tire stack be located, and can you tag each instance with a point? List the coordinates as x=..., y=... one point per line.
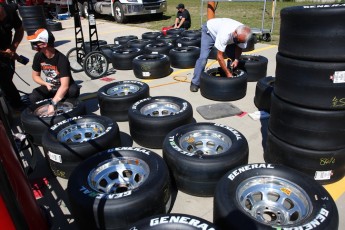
x=306, y=127
x=33, y=18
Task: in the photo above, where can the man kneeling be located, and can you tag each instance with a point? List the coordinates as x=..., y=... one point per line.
x=59, y=83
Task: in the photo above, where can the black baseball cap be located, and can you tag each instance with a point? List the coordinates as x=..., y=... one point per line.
x=180, y=6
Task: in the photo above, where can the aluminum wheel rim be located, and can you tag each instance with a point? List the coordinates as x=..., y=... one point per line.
x=118, y=175
x=96, y=65
x=123, y=90
x=274, y=201
x=160, y=109
x=61, y=108
x=205, y=142
x=81, y=132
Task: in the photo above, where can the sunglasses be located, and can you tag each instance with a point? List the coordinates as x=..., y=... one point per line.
x=36, y=45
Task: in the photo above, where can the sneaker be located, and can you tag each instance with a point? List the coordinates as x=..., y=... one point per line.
x=194, y=88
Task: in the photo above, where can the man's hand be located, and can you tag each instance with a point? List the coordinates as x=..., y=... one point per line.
x=51, y=110
x=49, y=86
x=229, y=74
x=234, y=64
x=222, y=64
x=9, y=53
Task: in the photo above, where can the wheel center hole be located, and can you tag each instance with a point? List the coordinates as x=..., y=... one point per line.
x=269, y=216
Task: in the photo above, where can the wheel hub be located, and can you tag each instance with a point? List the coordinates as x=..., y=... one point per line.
x=273, y=201
x=206, y=142
x=82, y=132
x=118, y=175
x=160, y=109
x=61, y=108
x=123, y=90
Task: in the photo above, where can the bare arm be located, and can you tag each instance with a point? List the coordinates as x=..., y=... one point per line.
x=222, y=64
x=181, y=22
x=175, y=24
x=36, y=76
x=63, y=89
x=60, y=93
x=238, y=52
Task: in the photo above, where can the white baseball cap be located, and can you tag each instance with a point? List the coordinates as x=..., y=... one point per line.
x=42, y=35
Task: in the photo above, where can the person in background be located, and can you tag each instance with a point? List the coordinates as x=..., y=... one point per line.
x=59, y=83
x=9, y=43
x=228, y=36
x=183, y=19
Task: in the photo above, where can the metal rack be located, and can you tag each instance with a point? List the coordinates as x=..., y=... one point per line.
x=261, y=33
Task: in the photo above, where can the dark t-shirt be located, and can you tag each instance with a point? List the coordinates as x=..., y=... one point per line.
x=11, y=21
x=185, y=14
x=53, y=68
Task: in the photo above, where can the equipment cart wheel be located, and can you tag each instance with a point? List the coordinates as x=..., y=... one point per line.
x=75, y=62
x=95, y=64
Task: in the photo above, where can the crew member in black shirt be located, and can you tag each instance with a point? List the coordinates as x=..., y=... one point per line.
x=9, y=43
x=183, y=19
x=59, y=83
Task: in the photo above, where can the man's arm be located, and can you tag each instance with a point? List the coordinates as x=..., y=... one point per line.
x=238, y=52
x=222, y=64
x=36, y=76
x=181, y=22
x=62, y=90
x=17, y=38
x=176, y=22
x=60, y=93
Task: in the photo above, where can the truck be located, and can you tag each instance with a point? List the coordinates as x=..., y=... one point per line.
x=119, y=9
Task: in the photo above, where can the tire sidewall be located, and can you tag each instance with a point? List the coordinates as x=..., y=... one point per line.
x=150, y=195
x=226, y=206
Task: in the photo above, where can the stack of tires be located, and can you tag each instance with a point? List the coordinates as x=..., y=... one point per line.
x=306, y=128
x=33, y=18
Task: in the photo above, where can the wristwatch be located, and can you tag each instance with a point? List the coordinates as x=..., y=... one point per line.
x=53, y=103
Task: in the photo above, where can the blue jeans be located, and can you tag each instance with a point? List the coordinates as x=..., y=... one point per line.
x=207, y=43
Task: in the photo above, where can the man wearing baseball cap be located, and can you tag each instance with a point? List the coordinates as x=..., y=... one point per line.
x=58, y=84
x=183, y=19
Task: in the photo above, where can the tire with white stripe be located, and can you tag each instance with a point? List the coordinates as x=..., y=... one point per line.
x=198, y=155
x=35, y=123
x=173, y=221
x=314, y=32
x=117, y=187
x=71, y=141
x=116, y=98
x=152, y=118
x=266, y=196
